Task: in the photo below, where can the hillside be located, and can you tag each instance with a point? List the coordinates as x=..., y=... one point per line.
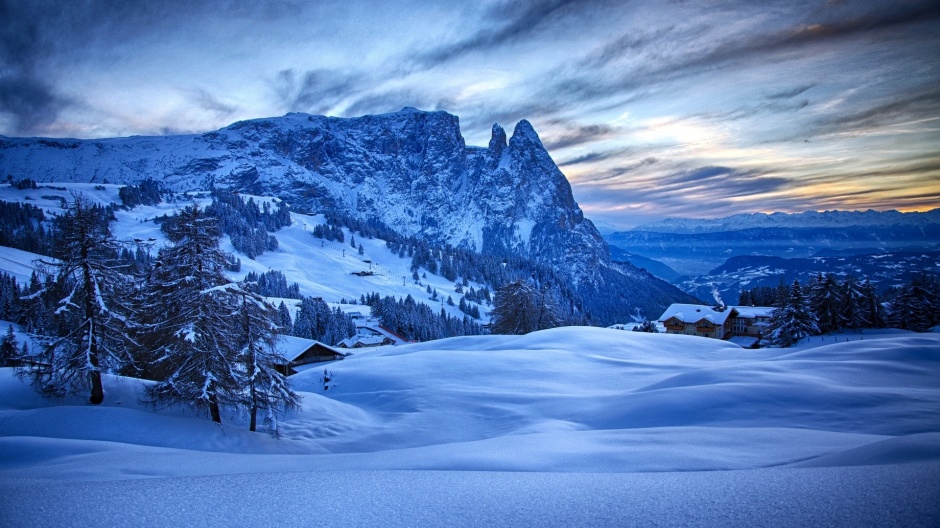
x=809, y=431
x=409, y=171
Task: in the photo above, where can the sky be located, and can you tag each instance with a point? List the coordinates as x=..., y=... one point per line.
x=651, y=108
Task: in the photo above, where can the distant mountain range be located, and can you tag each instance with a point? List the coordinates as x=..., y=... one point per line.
x=695, y=246
x=885, y=269
x=809, y=219
x=410, y=171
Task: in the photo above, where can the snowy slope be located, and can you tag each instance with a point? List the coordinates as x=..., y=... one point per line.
x=321, y=268
x=606, y=403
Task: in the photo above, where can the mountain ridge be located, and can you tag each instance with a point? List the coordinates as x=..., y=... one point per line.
x=410, y=170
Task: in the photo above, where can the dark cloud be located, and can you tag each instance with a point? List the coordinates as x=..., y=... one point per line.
x=593, y=157
x=628, y=43
x=791, y=93
x=907, y=106
x=617, y=174
x=577, y=135
x=394, y=100
x=35, y=34
x=209, y=102
x=508, y=22
x=720, y=181
x=314, y=91
x=694, y=56
x=32, y=104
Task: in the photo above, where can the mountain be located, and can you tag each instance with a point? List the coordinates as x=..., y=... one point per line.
x=884, y=269
x=409, y=170
x=697, y=252
x=808, y=219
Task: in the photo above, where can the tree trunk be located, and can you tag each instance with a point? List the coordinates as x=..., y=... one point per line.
x=214, y=409
x=97, y=393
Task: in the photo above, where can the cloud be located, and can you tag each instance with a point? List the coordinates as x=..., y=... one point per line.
x=573, y=135
x=315, y=91
x=791, y=93
x=507, y=22
x=394, y=100
x=904, y=107
x=594, y=157
x=209, y=102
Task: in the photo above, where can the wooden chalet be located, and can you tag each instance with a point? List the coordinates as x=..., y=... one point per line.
x=698, y=320
x=297, y=351
x=743, y=325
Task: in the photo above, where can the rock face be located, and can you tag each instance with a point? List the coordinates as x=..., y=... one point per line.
x=411, y=170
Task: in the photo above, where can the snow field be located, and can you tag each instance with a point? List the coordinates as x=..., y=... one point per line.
x=571, y=426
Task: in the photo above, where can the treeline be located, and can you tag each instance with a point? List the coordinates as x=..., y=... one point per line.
x=147, y=192
x=247, y=224
x=24, y=226
x=273, y=283
x=461, y=265
x=204, y=340
x=417, y=321
x=827, y=305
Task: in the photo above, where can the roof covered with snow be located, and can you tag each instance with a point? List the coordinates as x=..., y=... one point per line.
x=291, y=348
x=693, y=313
x=751, y=312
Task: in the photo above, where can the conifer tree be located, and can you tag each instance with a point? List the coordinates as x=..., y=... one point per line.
x=9, y=354
x=871, y=307
x=825, y=301
x=284, y=319
x=520, y=308
x=915, y=305
x=266, y=389
x=192, y=323
x=851, y=307
x=92, y=319
x=794, y=321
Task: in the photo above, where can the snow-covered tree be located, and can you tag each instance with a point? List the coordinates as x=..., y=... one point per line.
x=9, y=354
x=265, y=388
x=915, y=305
x=851, y=306
x=284, y=320
x=794, y=321
x=520, y=308
x=191, y=319
x=646, y=326
x=871, y=309
x=89, y=292
x=825, y=300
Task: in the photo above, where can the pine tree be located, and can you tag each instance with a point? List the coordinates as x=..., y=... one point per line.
x=9, y=354
x=283, y=318
x=92, y=318
x=268, y=390
x=794, y=320
x=871, y=307
x=851, y=307
x=825, y=301
x=915, y=305
x=192, y=324
x=520, y=308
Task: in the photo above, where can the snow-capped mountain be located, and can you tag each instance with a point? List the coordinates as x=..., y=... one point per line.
x=808, y=219
x=410, y=170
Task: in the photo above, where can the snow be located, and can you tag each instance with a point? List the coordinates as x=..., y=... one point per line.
x=571, y=426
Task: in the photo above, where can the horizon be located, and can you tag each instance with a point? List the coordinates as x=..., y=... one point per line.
x=650, y=110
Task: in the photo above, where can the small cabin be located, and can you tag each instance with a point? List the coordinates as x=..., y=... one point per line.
x=297, y=351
